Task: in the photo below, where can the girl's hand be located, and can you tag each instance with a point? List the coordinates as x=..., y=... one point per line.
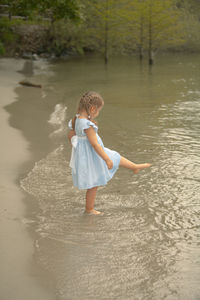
x=109, y=163
x=92, y=137
x=71, y=133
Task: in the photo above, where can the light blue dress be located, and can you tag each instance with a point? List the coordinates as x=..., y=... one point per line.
x=88, y=168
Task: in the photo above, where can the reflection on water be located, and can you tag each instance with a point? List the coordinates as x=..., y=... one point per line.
x=146, y=245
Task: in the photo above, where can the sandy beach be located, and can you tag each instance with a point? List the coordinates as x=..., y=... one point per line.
x=19, y=275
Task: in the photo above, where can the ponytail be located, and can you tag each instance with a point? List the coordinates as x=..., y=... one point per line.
x=73, y=122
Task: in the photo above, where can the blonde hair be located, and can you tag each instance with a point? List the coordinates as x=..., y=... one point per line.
x=87, y=101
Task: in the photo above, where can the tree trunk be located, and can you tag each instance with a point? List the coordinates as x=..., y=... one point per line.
x=106, y=36
x=141, y=39
x=106, y=44
x=150, y=52
x=10, y=15
x=151, y=61
x=141, y=56
x=106, y=58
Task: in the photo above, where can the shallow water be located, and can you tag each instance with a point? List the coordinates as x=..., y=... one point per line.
x=146, y=245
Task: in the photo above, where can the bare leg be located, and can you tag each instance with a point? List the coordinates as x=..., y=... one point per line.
x=90, y=200
x=125, y=163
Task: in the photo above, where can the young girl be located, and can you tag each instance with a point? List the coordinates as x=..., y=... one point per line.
x=92, y=164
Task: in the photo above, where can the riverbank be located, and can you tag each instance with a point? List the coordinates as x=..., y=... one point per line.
x=42, y=39
x=20, y=277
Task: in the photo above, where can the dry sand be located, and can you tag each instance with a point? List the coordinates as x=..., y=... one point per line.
x=20, y=277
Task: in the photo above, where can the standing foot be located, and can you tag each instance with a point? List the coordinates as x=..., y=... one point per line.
x=93, y=212
x=140, y=167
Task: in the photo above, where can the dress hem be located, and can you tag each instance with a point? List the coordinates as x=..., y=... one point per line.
x=98, y=185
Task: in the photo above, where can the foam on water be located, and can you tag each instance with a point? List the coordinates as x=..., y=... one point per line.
x=59, y=115
x=58, y=120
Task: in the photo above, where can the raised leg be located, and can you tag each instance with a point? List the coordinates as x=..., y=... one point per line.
x=125, y=163
x=90, y=200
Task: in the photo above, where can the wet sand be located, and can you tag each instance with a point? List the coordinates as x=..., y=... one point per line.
x=20, y=277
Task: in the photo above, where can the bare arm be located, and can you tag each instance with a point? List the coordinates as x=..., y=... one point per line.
x=91, y=134
x=71, y=133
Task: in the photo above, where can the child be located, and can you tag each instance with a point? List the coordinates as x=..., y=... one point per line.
x=92, y=164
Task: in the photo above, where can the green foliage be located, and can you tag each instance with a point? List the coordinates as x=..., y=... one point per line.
x=125, y=25
x=2, y=49
x=55, y=10
x=64, y=37
x=60, y=9
x=102, y=25
x=192, y=32
x=192, y=5
x=153, y=21
x=7, y=35
x=20, y=7
x=106, y=26
x=47, y=11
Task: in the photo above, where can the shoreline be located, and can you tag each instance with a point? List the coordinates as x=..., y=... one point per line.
x=19, y=274
x=52, y=57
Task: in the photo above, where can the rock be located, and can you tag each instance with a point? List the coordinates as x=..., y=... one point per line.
x=27, y=55
x=35, y=56
x=27, y=83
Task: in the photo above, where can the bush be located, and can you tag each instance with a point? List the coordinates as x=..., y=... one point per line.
x=2, y=49
x=8, y=37
x=64, y=38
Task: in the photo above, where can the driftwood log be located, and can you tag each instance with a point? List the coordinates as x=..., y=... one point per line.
x=27, y=83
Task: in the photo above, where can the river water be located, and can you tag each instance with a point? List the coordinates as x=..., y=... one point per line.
x=146, y=245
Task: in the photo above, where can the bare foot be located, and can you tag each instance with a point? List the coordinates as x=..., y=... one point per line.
x=140, y=167
x=93, y=212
